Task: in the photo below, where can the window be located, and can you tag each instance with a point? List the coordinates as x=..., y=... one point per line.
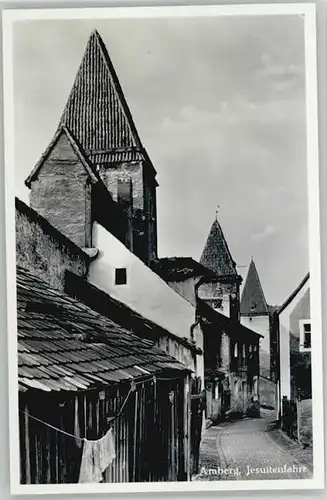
x=121, y=276
x=217, y=304
x=235, y=350
x=124, y=193
x=305, y=335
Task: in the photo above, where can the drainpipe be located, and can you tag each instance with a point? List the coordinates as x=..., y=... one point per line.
x=192, y=328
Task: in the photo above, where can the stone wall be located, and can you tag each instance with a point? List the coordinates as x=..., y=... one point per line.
x=267, y=393
x=178, y=351
x=62, y=193
x=218, y=296
x=143, y=205
x=225, y=354
x=261, y=325
x=305, y=421
x=124, y=172
x=44, y=251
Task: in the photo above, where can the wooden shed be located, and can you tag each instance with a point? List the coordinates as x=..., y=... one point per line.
x=81, y=374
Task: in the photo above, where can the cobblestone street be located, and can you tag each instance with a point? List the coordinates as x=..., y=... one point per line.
x=247, y=449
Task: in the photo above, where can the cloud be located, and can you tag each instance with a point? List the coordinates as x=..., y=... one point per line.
x=265, y=233
x=219, y=105
x=280, y=78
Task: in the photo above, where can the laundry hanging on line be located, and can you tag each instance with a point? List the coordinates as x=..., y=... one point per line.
x=96, y=457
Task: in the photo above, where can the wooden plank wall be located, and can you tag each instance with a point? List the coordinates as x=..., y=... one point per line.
x=150, y=435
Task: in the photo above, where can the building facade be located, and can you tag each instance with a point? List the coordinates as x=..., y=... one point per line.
x=231, y=359
x=96, y=185
x=256, y=315
x=222, y=294
x=90, y=233
x=294, y=333
x=84, y=379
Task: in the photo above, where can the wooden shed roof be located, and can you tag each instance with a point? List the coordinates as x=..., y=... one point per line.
x=63, y=345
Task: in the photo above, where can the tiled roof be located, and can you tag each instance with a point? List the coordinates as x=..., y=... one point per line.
x=181, y=268
x=233, y=328
x=216, y=255
x=65, y=345
x=112, y=157
x=97, y=112
x=253, y=300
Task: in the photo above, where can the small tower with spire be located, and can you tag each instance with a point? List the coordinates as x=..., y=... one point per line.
x=222, y=294
x=97, y=141
x=255, y=315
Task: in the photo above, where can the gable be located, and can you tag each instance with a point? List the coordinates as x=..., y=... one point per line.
x=62, y=156
x=298, y=305
x=300, y=311
x=62, y=159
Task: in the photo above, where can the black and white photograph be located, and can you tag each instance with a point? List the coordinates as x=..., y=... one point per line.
x=163, y=249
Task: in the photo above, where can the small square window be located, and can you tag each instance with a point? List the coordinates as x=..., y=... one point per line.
x=305, y=335
x=121, y=276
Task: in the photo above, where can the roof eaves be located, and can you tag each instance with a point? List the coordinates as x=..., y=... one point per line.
x=211, y=314
x=293, y=294
x=103, y=303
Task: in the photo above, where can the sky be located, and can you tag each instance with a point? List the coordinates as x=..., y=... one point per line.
x=219, y=104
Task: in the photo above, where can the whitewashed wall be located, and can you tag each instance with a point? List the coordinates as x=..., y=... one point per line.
x=144, y=292
x=284, y=342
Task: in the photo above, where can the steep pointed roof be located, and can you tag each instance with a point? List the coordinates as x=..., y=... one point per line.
x=63, y=136
x=97, y=113
x=253, y=300
x=216, y=255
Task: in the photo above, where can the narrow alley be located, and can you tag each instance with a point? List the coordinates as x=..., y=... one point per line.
x=251, y=449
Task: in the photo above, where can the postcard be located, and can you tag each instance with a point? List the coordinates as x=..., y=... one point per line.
x=163, y=249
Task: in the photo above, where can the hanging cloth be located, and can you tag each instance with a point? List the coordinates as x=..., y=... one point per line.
x=106, y=450
x=96, y=457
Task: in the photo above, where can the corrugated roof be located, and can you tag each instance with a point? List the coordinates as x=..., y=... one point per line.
x=216, y=255
x=65, y=345
x=253, y=300
x=181, y=268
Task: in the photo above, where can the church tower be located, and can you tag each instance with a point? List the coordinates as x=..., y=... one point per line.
x=100, y=127
x=223, y=294
x=255, y=315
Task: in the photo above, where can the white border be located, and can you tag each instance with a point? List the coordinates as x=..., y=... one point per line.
x=308, y=11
